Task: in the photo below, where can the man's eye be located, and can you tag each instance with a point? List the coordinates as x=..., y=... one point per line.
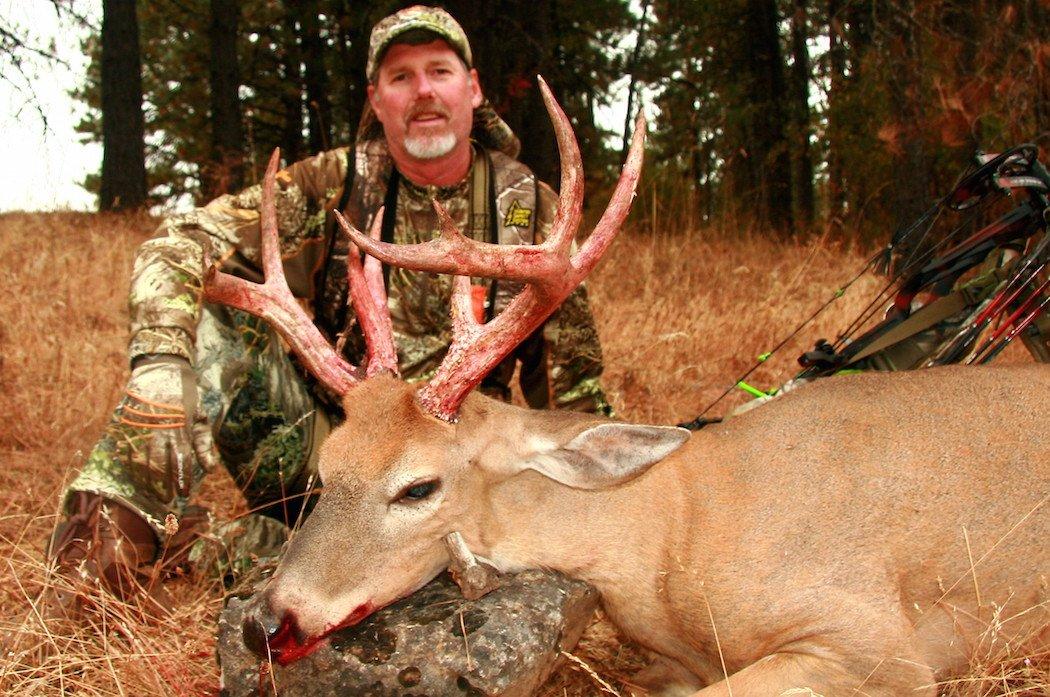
x=418, y=492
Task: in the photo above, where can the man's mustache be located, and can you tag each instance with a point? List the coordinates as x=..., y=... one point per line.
x=426, y=108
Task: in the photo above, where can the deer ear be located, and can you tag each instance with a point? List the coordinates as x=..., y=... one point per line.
x=606, y=455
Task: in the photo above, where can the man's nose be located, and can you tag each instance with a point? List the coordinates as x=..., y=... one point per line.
x=423, y=86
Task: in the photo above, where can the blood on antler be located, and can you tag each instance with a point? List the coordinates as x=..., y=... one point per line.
x=273, y=301
x=549, y=270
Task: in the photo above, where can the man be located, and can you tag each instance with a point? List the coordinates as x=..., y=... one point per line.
x=201, y=372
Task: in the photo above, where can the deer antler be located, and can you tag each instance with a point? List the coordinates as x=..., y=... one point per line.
x=273, y=301
x=549, y=270
x=368, y=296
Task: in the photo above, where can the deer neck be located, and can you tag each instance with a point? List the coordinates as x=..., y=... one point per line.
x=526, y=520
x=534, y=522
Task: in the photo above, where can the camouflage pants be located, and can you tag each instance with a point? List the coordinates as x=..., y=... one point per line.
x=266, y=425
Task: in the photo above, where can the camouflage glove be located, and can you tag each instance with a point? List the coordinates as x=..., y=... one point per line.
x=167, y=437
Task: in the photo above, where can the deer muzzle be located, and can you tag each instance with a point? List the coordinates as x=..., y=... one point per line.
x=277, y=636
x=274, y=636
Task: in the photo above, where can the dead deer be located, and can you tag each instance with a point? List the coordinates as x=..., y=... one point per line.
x=853, y=537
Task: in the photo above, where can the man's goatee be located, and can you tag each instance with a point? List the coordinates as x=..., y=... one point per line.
x=430, y=147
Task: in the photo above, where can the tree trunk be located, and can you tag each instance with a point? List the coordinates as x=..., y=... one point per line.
x=123, y=183
x=909, y=195
x=536, y=129
x=292, y=147
x=354, y=24
x=802, y=161
x=318, y=106
x=513, y=42
x=225, y=172
x=698, y=173
x=837, y=83
x=639, y=41
x=1038, y=15
x=764, y=108
x=509, y=62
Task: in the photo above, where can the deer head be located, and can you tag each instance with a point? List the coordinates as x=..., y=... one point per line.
x=412, y=464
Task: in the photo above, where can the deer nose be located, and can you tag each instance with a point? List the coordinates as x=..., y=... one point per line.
x=260, y=629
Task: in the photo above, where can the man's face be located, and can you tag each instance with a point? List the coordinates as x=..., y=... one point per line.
x=425, y=98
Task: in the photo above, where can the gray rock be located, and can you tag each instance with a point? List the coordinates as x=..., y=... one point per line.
x=433, y=643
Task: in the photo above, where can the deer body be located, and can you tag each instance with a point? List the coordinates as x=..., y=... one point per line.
x=823, y=536
x=831, y=524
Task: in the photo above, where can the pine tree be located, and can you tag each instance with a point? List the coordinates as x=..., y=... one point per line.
x=123, y=184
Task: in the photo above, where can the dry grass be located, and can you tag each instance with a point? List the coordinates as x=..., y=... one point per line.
x=680, y=317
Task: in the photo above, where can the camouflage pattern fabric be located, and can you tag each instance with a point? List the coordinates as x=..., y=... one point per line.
x=265, y=423
x=240, y=551
x=1037, y=339
x=166, y=283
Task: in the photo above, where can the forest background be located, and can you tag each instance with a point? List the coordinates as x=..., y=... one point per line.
x=780, y=115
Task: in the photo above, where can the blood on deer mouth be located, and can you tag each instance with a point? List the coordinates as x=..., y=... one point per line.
x=286, y=647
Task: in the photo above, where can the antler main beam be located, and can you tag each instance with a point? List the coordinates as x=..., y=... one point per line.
x=273, y=302
x=549, y=270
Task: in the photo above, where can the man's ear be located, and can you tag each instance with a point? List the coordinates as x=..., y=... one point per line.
x=476, y=98
x=375, y=102
x=605, y=455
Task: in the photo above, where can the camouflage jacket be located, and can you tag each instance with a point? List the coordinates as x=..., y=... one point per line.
x=560, y=365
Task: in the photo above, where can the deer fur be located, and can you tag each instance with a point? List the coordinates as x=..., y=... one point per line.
x=831, y=542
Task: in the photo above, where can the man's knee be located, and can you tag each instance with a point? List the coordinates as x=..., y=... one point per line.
x=105, y=540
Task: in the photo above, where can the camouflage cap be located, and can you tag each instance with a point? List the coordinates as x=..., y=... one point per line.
x=417, y=17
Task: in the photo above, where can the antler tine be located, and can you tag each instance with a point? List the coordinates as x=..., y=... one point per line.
x=454, y=253
x=273, y=301
x=370, y=304
x=271, y=248
x=464, y=322
x=374, y=269
x=570, y=197
x=475, y=348
x=619, y=205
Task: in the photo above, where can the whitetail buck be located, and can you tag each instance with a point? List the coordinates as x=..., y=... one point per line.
x=854, y=537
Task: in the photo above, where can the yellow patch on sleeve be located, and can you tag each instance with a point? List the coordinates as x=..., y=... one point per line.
x=518, y=215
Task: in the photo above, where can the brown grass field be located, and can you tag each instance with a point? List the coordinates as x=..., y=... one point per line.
x=680, y=315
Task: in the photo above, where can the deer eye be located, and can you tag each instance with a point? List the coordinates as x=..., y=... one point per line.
x=417, y=492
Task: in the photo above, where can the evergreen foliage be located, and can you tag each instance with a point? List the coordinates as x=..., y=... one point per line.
x=777, y=114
